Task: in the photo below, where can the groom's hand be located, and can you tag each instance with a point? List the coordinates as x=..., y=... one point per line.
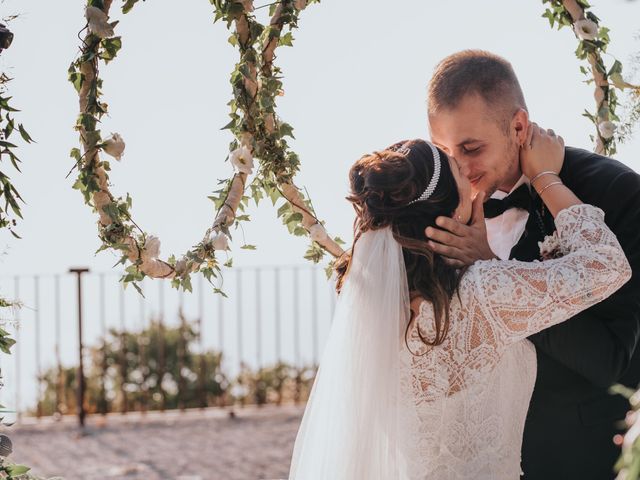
x=461, y=244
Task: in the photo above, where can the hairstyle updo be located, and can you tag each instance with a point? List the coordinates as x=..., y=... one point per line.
x=383, y=185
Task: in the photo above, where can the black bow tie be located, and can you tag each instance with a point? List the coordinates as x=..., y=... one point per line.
x=520, y=198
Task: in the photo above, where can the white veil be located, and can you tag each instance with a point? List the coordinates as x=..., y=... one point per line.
x=359, y=419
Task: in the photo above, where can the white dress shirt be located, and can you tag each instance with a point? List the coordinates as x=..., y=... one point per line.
x=504, y=231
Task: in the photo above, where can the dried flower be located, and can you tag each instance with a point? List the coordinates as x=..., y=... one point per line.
x=151, y=248
x=219, y=241
x=550, y=247
x=606, y=129
x=114, y=146
x=242, y=160
x=586, y=29
x=98, y=22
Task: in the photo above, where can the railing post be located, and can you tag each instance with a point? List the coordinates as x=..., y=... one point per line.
x=161, y=348
x=258, y=320
x=314, y=314
x=296, y=316
x=81, y=380
x=142, y=354
x=202, y=370
x=60, y=390
x=277, y=309
x=238, y=299
x=124, y=408
x=16, y=294
x=181, y=353
x=104, y=406
x=36, y=288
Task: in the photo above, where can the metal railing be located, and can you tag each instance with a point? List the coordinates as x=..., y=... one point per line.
x=272, y=316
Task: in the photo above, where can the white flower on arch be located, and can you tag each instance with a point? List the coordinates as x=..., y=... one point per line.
x=586, y=29
x=114, y=146
x=242, y=160
x=98, y=22
x=606, y=129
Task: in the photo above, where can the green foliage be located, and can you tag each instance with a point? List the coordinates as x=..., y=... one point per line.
x=278, y=384
x=8, y=126
x=249, y=115
x=161, y=367
x=595, y=50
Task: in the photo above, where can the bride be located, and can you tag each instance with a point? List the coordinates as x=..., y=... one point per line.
x=427, y=373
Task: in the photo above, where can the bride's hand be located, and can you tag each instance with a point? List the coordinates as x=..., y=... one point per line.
x=543, y=151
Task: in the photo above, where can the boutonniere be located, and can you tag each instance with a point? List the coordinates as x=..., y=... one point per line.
x=550, y=247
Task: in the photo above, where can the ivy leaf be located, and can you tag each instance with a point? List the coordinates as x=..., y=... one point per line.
x=284, y=208
x=23, y=133
x=286, y=130
x=217, y=290
x=16, y=470
x=548, y=14
x=110, y=48
x=286, y=40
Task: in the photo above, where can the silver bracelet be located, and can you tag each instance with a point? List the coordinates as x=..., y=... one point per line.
x=550, y=185
x=548, y=172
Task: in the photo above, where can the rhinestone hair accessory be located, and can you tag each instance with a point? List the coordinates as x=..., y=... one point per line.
x=434, y=179
x=401, y=149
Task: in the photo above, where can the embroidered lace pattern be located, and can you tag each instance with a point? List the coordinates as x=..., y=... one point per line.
x=472, y=392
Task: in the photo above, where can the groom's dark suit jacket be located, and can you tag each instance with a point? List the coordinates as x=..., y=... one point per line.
x=573, y=418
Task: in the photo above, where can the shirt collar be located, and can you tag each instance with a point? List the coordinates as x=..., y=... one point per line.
x=499, y=194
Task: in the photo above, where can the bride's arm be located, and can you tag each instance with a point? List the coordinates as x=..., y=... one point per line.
x=522, y=298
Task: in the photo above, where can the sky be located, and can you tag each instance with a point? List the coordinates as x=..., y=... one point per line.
x=355, y=81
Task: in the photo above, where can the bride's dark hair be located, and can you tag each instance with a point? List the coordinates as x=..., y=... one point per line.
x=382, y=186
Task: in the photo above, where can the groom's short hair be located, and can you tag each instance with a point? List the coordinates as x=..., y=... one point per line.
x=475, y=72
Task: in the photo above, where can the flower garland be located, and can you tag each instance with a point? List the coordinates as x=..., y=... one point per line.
x=258, y=133
x=594, y=41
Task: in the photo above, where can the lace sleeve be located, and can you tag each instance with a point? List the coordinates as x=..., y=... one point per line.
x=522, y=298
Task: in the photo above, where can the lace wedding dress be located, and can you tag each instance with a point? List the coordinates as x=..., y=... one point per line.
x=472, y=392
x=459, y=408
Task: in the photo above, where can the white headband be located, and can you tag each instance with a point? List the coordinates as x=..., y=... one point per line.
x=434, y=178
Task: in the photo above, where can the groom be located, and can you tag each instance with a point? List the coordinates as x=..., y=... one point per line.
x=476, y=111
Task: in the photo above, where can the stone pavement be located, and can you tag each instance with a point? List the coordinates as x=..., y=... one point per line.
x=193, y=445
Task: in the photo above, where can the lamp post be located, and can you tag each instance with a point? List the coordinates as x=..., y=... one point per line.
x=81, y=380
x=6, y=37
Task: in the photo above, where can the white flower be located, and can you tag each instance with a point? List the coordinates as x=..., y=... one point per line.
x=300, y=4
x=606, y=129
x=318, y=233
x=181, y=267
x=550, y=247
x=151, y=248
x=242, y=160
x=219, y=241
x=114, y=146
x=586, y=29
x=98, y=22
x=94, y=14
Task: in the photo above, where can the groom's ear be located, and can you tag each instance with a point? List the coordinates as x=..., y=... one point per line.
x=519, y=125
